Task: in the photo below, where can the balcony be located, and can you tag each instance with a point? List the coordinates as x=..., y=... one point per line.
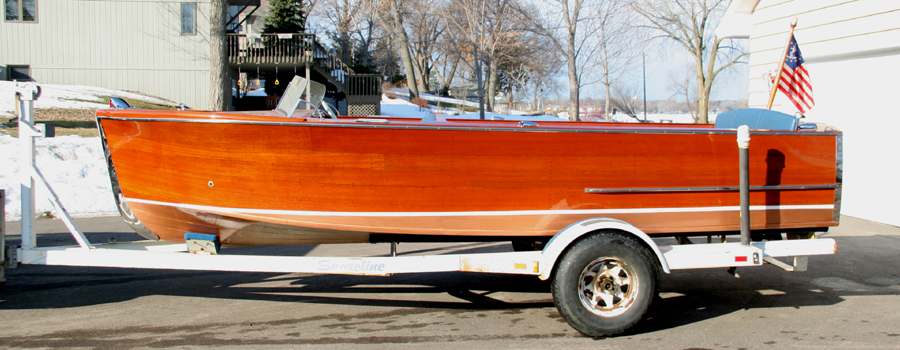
x=272, y=49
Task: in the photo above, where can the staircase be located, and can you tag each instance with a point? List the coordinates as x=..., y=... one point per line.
x=285, y=51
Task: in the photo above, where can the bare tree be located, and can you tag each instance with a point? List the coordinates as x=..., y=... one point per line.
x=344, y=18
x=447, y=58
x=616, y=41
x=470, y=18
x=426, y=31
x=506, y=50
x=624, y=99
x=544, y=66
x=522, y=60
x=396, y=12
x=352, y=26
x=681, y=86
x=516, y=79
x=366, y=37
x=692, y=24
x=218, y=57
x=384, y=53
x=560, y=23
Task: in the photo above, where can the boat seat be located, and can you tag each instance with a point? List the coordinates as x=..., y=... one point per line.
x=757, y=118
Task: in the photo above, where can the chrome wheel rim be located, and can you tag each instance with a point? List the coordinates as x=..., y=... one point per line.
x=608, y=286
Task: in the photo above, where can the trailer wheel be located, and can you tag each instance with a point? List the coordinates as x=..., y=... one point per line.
x=605, y=283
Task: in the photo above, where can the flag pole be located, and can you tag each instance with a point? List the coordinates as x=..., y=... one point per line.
x=781, y=66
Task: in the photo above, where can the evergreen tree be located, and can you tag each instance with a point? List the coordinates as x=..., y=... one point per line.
x=285, y=16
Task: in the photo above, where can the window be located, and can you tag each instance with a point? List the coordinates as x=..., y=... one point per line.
x=20, y=73
x=21, y=10
x=234, y=13
x=188, y=18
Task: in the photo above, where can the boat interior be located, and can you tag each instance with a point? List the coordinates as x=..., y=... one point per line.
x=293, y=106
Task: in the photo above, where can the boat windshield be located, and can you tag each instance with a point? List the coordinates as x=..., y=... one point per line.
x=293, y=96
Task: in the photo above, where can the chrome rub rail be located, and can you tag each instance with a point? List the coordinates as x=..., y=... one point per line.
x=708, y=189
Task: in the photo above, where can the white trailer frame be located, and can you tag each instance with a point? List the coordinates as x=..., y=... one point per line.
x=165, y=255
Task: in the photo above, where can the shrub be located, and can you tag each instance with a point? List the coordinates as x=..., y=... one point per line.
x=386, y=89
x=418, y=101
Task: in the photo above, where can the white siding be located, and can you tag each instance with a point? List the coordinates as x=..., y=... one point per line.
x=858, y=96
x=122, y=44
x=852, y=52
x=826, y=30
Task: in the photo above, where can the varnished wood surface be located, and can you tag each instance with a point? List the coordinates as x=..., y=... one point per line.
x=303, y=166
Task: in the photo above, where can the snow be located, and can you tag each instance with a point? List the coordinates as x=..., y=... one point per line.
x=256, y=93
x=401, y=108
x=73, y=165
x=487, y=115
x=397, y=107
x=661, y=118
x=67, y=96
x=76, y=169
x=452, y=101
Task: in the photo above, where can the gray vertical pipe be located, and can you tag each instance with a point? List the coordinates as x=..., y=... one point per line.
x=743, y=139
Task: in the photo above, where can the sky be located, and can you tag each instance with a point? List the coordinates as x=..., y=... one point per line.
x=662, y=59
x=730, y=85
x=727, y=86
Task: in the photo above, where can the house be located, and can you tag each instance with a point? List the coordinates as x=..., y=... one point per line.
x=162, y=48
x=852, y=52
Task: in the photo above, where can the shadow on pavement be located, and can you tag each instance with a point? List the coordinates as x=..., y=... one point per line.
x=861, y=267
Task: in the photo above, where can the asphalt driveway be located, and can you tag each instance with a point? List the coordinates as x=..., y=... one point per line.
x=849, y=300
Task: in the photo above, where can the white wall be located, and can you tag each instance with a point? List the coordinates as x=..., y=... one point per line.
x=859, y=96
x=121, y=44
x=826, y=30
x=852, y=52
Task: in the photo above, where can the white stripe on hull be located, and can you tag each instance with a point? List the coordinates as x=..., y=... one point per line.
x=478, y=213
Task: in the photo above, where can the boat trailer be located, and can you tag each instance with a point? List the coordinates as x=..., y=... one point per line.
x=614, y=265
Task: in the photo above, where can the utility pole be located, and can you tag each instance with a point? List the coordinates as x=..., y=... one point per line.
x=644, y=61
x=480, y=84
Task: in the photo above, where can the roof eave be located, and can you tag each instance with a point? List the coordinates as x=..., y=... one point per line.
x=737, y=20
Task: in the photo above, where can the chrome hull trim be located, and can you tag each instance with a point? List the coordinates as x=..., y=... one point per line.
x=206, y=208
x=709, y=189
x=611, y=130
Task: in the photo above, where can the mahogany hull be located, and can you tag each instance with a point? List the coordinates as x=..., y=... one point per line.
x=254, y=179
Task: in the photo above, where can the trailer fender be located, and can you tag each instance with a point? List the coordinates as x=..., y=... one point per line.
x=566, y=236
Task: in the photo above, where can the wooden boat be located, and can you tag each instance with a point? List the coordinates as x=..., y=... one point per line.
x=260, y=178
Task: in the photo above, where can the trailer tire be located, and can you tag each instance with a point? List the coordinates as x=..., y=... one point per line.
x=605, y=284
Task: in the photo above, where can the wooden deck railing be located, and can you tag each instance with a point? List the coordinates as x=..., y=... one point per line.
x=299, y=49
x=270, y=48
x=364, y=85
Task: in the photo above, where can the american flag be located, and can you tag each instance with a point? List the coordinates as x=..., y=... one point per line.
x=795, y=79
